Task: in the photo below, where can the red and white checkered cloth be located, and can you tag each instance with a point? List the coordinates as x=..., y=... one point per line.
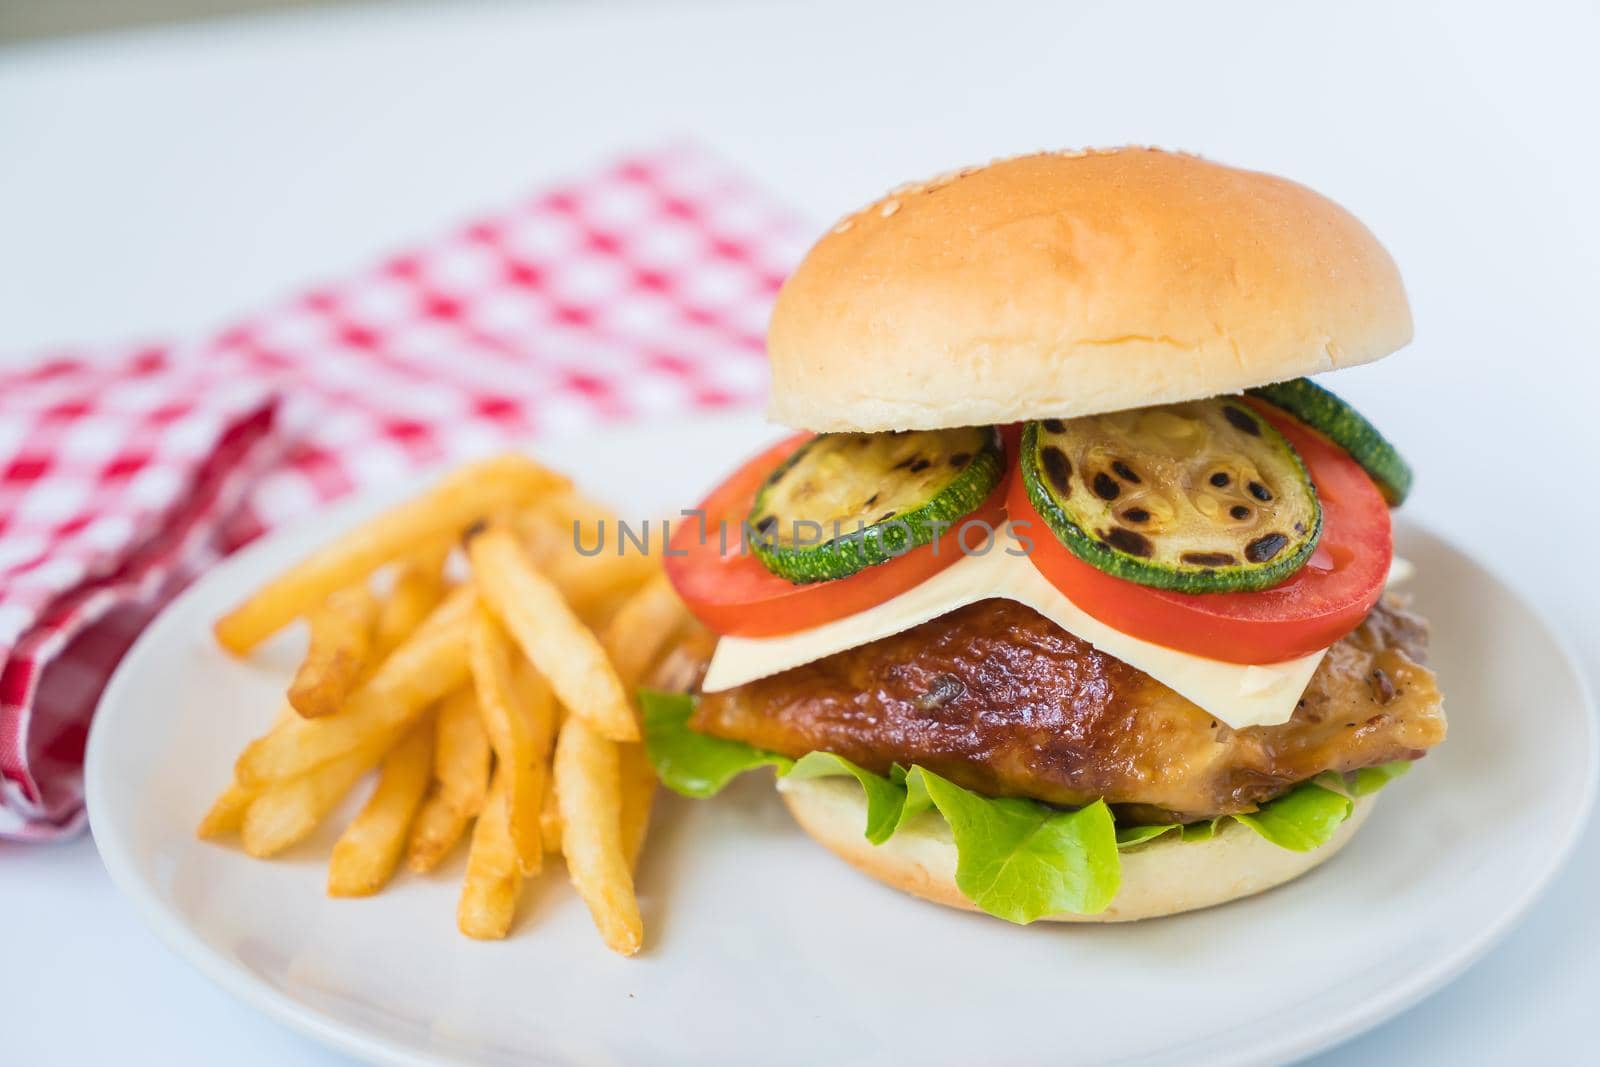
x=642, y=289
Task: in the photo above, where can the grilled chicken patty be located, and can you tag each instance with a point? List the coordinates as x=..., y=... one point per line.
x=999, y=699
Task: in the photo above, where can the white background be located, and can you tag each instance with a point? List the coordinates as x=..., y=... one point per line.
x=153, y=184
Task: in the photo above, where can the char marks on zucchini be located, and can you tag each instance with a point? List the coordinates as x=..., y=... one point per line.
x=1199, y=497
x=844, y=502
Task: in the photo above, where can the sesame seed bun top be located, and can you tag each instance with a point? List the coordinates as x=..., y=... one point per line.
x=1064, y=284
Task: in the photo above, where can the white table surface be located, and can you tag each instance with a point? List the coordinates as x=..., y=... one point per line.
x=152, y=184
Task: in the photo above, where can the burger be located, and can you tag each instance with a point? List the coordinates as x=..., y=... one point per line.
x=1070, y=597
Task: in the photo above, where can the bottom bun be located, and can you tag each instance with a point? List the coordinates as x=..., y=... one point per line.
x=1164, y=877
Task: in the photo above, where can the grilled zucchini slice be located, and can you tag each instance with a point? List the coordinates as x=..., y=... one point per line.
x=1200, y=497
x=1345, y=427
x=847, y=501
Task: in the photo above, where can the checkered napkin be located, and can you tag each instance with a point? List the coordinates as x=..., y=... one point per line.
x=639, y=290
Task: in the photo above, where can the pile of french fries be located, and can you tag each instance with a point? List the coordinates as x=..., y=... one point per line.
x=496, y=707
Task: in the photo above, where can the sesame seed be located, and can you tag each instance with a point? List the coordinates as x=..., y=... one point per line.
x=1072, y=153
x=889, y=208
x=844, y=227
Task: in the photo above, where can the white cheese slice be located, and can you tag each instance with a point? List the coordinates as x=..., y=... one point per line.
x=1238, y=694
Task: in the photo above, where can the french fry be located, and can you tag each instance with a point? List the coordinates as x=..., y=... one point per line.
x=572, y=505
x=286, y=813
x=640, y=632
x=418, y=587
x=520, y=722
x=365, y=856
x=461, y=757
x=546, y=716
x=588, y=792
x=594, y=583
x=434, y=832
x=460, y=499
x=494, y=872
x=579, y=518
x=532, y=609
x=337, y=654
x=226, y=814
x=550, y=808
x=427, y=666
x=406, y=605
x=637, y=780
x=642, y=629
x=507, y=700
x=461, y=754
x=550, y=817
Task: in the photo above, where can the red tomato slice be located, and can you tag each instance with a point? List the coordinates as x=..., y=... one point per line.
x=1325, y=600
x=732, y=593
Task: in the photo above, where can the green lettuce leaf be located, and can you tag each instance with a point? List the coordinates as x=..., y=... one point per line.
x=886, y=800
x=1021, y=860
x=917, y=798
x=1133, y=836
x=1016, y=859
x=694, y=764
x=1369, y=780
x=1302, y=819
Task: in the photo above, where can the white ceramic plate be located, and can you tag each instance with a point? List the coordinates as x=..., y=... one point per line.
x=763, y=948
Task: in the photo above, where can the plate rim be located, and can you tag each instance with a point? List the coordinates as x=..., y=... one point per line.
x=373, y=1046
